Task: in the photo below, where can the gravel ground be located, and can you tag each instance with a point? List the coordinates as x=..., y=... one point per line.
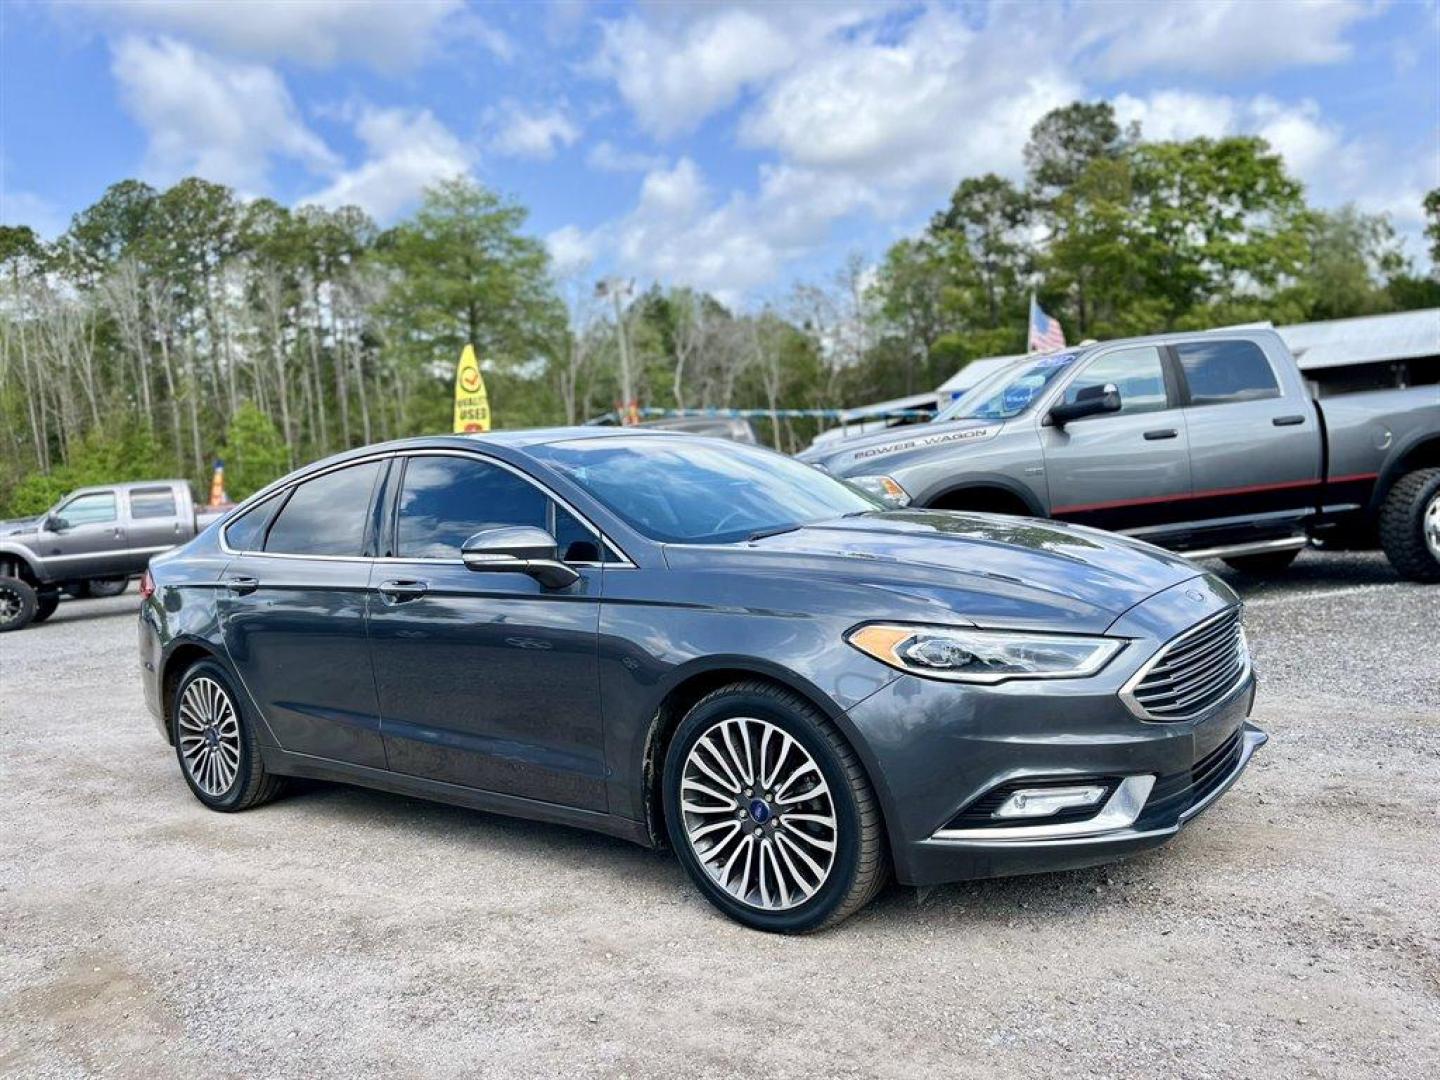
x=1292, y=931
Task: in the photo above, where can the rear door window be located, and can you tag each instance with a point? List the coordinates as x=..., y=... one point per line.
x=1221, y=372
x=327, y=515
x=156, y=502
x=247, y=532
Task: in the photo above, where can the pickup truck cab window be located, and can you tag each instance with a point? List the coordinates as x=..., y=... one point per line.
x=91, y=509
x=327, y=515
x=156, y=502
x=1138, y=373
x=1219, y=372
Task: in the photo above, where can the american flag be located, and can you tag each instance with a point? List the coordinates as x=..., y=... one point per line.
x=1045, y=332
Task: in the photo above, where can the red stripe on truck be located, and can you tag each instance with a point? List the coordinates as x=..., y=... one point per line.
x=1289, y=485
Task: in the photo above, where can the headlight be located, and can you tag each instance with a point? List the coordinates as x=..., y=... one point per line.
x=884, y=488
x=983, y=656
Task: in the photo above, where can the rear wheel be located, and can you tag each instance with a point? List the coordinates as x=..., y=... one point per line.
x=1410, y=525
x=215, y=743
x=107, y=586
x=1270, y=564
x=17, y=604
x=770, y=812
x=45, y=605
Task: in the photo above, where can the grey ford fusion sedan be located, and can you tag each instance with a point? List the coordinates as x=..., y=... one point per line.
x=679, y=640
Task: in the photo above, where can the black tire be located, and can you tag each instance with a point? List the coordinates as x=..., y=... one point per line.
x=17, y=604
x=250, y=785
x=861, y=860
x=45, y=605
x=1403, y=524
x=80, y=590
x=106, y=586
x=1271, y=564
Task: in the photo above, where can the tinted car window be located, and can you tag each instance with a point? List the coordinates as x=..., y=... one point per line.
x=326, y=516
x=681, y=490
x=89, y=509
x=1222, y=371
x=446, y=500
x=574, y=540
x=247, y=531
x=1138, y=374
x=157, y=502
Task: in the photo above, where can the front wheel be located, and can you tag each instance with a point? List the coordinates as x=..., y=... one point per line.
x=1410, y=525
x=45, y=604
x=17, y=604
x=106, y=586
x=215, y=743
x=770, y=812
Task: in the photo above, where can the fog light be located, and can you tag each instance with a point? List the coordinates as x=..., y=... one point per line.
x=1043, y=802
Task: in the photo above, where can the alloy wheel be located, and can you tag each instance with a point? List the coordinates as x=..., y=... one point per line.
x=209, y=732
x=10, y=605
x=1430, y=526
x=758, y=813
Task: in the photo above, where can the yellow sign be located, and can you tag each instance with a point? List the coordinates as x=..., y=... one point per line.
x=472, y=405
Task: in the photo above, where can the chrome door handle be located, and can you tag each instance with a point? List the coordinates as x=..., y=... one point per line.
x=398, y=592
x=242, y=586
x=1161, y=433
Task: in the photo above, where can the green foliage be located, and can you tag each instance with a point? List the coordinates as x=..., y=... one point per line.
x=254, y=453
x=123, y=449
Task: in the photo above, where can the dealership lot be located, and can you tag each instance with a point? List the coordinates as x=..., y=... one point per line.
x=1293, y=930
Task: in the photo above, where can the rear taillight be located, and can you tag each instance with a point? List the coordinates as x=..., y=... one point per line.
x=147, y=586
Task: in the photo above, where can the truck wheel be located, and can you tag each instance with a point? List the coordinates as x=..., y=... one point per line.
x=45, y=605
x=1270, y=564
x=107, y=586
x=17, y=604
x=1410, y=525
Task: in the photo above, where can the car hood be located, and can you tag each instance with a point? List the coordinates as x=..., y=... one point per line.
x=853, y=457
x=990, y=569
x=15, y=526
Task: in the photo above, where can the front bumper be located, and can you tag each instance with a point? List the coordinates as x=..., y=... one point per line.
x=940, y=753
x=948, y=858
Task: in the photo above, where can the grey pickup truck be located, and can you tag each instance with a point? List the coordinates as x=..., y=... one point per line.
x=1206, y=443
x=93, y=537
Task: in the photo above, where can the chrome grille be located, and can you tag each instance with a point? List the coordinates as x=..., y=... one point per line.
x=1196, y=670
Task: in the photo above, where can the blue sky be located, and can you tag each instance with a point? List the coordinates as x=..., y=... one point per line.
x=733, y=147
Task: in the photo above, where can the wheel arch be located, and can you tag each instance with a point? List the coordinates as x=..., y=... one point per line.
x=992, y=494
x=16, y=561
x=703, y=677
x=179, y=659
x=1420, y=451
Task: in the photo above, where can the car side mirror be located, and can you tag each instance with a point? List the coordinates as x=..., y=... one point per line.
x=54, y=523
x=518, y=549
x=1091, y=401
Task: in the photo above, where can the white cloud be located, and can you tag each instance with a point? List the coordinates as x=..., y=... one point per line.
x=1216, y=37
x=673, y=76
x=526, y=133
x=571, y=250
x=220, y=119
x=407, y=150
x=36, y=211
x=389, y=36
x=605, y=156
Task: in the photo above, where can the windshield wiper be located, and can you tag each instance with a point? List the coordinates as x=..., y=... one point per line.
x=762, y=534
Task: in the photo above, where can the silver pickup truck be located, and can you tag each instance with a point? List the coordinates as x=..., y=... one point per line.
x=1207, y=443
x=93, y=535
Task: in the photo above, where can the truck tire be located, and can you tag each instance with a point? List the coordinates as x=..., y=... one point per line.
x=45, y=605
x=106, y=586
x=1410, y=525
x=17, y=604
x=1271, y=564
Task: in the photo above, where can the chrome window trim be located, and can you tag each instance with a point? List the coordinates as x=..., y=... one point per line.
x=625, y=563
x=1127, y=692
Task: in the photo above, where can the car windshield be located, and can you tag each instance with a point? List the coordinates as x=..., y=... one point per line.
x=1010, y=392
x=697, y=491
